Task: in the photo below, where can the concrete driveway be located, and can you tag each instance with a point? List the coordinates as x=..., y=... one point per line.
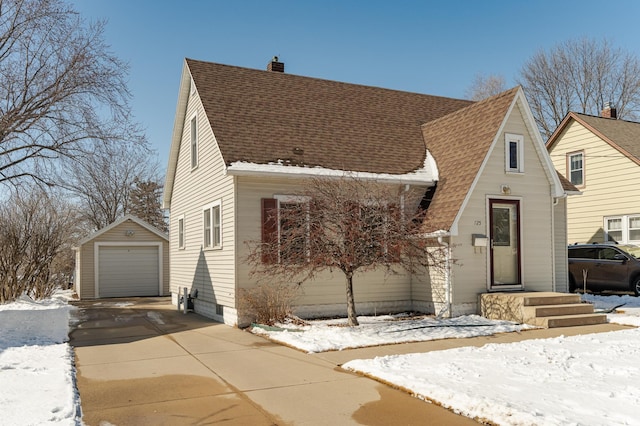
x=141, y=362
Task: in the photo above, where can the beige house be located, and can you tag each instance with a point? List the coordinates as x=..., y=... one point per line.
x=127, y=258
x=246, y=138
x=601, y=157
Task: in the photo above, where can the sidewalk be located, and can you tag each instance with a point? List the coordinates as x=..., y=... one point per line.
x=144, y=363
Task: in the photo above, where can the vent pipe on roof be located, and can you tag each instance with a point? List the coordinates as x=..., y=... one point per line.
x=609, y=111
x=275, y=66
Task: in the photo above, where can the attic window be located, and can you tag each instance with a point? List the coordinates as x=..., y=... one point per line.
x=194, y=141
x=514, y=153
x=575, y=167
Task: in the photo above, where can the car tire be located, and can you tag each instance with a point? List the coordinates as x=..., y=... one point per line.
x=635, y=286
x=572, y=284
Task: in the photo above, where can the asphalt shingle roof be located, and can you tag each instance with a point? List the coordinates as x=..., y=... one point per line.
x=262, y=116
x=459, y=144
x=625, y=134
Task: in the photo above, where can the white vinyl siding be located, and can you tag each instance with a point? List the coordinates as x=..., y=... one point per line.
x=374, y=291
x=211, y=272
x=471, y=275
x=610, y=183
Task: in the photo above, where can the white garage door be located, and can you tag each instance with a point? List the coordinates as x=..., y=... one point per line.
x=125, y=271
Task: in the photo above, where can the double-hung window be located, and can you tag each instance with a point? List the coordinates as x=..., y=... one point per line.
x=575, y=168
x=212, y=225
x=514, y=153
x=622, y=229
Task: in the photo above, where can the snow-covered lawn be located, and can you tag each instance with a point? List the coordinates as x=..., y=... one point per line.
x=328, y=335
x=582, y=380
x=36, y=365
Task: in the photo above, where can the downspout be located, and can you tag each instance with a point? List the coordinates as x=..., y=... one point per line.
x=447, y=276
x=554, y=203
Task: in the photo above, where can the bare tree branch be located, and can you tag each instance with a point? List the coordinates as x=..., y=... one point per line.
x=580, y=75
x=62, y=89
x=346, y=224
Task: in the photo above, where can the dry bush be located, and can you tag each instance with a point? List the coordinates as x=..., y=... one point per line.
x=35, y=230
x=268, y=303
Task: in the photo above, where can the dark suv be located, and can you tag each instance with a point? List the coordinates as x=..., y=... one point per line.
x=606, y=266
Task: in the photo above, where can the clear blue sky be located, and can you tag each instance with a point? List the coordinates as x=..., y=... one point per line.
x=433, y=47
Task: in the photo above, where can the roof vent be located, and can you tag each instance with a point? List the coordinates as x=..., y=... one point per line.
x=275, y=66
x=609, y=111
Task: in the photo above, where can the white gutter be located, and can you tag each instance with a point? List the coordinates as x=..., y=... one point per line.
x=425, y=176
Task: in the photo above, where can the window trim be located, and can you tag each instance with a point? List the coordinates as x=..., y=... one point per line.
x=568, y=166
x=625, y=228
x=211, y=230
x=181, y=233
x=510, y=138
x=194, y=143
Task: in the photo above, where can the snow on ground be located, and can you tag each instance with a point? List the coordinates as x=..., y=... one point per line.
x=592, y=379
x=627, y=314
x=37, y=376
x=327, y=335
x=583, y=380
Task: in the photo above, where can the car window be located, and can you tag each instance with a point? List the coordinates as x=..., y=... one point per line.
x=583, y=253
x=607, y=253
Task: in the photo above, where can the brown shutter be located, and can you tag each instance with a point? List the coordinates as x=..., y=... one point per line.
x=269, y=230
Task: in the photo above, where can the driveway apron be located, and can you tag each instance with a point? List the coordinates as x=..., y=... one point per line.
x=141, y=362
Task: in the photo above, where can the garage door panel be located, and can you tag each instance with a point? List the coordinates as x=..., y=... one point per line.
x=128, y=271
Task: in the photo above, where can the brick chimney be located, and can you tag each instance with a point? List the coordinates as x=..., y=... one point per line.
x=608, y=111
x=275, y=66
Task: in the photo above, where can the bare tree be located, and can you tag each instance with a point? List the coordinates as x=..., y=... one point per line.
x=62, y=88
x=345, y=224
x=485, y=86
x=145, y=202
x=582, y=76
x=102, y=181
x=36, y=230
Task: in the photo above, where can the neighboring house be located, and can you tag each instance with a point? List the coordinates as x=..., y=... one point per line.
x=127, y=258
x=601, y=157
x=245, y=139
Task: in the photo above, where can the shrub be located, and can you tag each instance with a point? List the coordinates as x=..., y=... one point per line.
x=268, y=303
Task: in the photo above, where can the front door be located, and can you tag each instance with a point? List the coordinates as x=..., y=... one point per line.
x=505, y=242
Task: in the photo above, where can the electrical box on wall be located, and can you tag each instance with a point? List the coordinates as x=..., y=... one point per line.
x=478, y=240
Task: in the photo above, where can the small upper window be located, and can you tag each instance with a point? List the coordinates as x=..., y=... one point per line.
x=575, y=166
x=514, y=155
x=181, y=232
x=194, y=142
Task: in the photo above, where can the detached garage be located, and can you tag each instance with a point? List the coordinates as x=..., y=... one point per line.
x=125, y=259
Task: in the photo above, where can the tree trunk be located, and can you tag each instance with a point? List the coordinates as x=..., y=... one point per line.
x=351, y=305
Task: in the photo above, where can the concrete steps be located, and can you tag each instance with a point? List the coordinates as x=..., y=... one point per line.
x=544, y=309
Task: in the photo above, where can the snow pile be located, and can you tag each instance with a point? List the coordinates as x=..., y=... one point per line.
x=589, y=380
x=25, y=321
x=627, y=314
x=36, y=368
x=329, y=335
